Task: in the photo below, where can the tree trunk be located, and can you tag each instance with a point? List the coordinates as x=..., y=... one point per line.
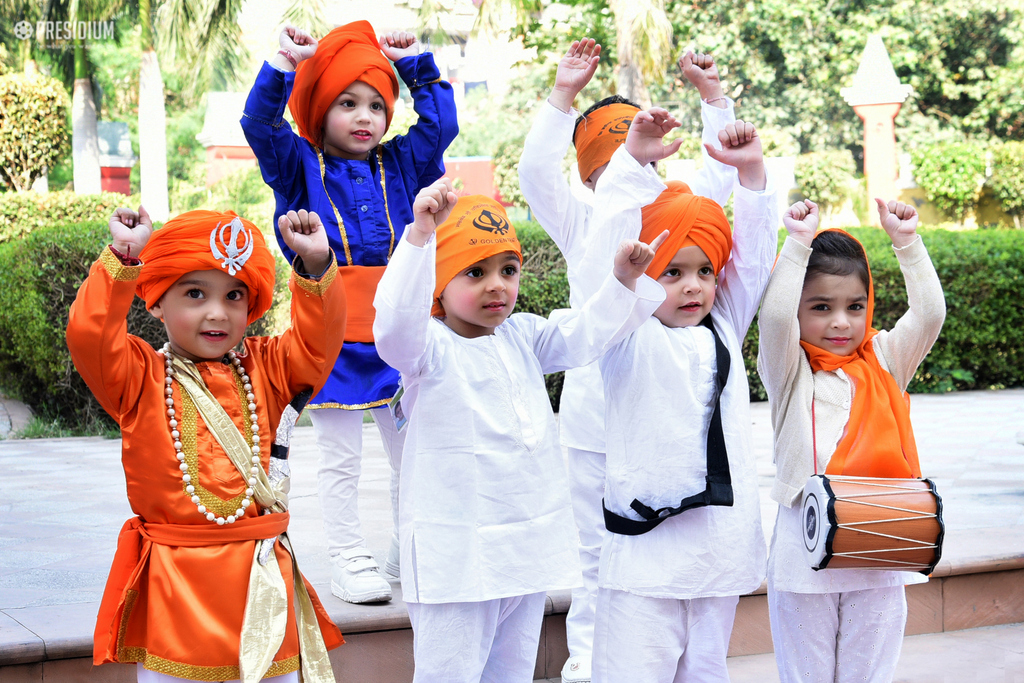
x=630, y=84
x=85, y=150
x=629, y=81
x=153, y=138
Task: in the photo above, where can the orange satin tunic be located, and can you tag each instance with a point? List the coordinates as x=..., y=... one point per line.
x=178, y=610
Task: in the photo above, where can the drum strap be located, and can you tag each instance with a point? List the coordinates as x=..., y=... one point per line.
x=719, y=481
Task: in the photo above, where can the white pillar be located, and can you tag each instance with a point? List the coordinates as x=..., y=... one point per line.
x=153, y=139
x=85, y=151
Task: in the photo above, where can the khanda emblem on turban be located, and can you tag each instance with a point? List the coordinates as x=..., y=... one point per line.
x=619, y=126
x=233, y=257
x=491, y=222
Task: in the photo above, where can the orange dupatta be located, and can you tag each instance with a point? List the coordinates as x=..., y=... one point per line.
x=879, y=439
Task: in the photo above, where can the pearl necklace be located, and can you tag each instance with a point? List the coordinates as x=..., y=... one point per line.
x=236, y=364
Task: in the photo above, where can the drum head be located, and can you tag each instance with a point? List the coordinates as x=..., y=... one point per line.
x=815, y=520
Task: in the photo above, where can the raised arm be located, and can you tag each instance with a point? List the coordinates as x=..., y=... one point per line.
x=779, y=351
x=405, y=293
x=105, y=355
x=544, y=186
x=911, y=338
x=715, y=180
x=624, y=302
x=420, y=151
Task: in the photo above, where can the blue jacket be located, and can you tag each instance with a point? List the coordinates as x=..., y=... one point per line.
x=290, y=166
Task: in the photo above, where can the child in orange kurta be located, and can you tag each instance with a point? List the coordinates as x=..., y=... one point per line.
x=204, y=585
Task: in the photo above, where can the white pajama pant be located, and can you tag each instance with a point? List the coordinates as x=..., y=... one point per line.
x=147, y=676
x=838, y=637
x=586, y=482
x=661, y=640
x=339, y=439
x=494, y=641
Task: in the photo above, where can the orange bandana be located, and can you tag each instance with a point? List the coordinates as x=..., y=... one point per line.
x=601, y=133
x=347, y=54
x=208, y=240
x=879, y=440
x=691, y=221
x=477, y=228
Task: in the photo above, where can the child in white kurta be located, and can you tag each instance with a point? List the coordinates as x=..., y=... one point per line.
x=567, y=220
x=486, y=524
x=833, y=624
x=667, y=598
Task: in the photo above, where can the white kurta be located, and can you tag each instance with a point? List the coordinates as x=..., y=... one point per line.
x=484, y=508
x=567, y=220
x=659, y=399
x=792, y=386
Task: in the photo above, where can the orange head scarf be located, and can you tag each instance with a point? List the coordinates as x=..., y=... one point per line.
x=208, y=240
x=347, y=54
x=879, y=440
x=691, y=221
x=601, y=132
x=477, y=228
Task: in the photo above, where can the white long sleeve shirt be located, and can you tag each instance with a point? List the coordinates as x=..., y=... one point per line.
x=659, y=396
x=567, y=220
x=484, y=509
x=791, y=387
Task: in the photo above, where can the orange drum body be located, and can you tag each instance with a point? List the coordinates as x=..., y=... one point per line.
x=869, y=523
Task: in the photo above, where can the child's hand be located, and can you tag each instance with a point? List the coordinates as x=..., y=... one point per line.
x=633, y=257
x=130, y=230
x=304, y=233
x=432, y=207
x=643, y=141
x=298, y=43
x=574, y=71
x=801, y=221
x=701, y=71
x=741, y=147
x=899, y=221
x=399, y=44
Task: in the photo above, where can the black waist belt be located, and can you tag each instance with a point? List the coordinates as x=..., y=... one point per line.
x=719, y=481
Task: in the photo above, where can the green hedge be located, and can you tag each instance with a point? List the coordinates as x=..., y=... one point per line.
x=39, y=277
x=23, y=212
x=982, y=275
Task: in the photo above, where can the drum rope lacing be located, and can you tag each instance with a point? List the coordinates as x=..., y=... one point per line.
x=855, y=526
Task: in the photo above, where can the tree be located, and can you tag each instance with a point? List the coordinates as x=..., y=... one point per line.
x=952, y=175
x=1007, y=180
x=33, y=133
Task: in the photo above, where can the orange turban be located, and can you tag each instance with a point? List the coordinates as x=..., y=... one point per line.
x=208, y=240
x=477, y=228
x=347, y=54
x=692, y=221
x=601, y=133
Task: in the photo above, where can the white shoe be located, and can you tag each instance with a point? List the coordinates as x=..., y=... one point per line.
x=392, y=565
x=355, y=577
x=576, y=670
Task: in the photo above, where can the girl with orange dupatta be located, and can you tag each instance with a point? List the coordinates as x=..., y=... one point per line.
x=837, y=388
x=204, y=585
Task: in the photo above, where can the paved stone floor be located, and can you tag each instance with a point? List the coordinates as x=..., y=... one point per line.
x=62, y=501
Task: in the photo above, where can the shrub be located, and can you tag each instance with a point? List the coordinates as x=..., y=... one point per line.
x=952, y=175
x=39, y=277
x=23, y=212
x=825, y=177
x=33, y=127
x=506, y=170
x=1007, y=180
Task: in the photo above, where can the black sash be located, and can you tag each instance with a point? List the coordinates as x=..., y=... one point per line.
x=719, y=481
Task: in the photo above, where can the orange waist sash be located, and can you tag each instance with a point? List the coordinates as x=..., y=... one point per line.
x=132, y=555
x=360, y=287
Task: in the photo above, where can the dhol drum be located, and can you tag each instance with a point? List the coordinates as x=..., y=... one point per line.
x=872, y=523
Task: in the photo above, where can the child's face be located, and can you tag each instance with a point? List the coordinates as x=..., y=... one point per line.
x=689, y=282
x=480, y=297
x=833, y=313
x=355, y=123
x=205, y=313
x=591, y=182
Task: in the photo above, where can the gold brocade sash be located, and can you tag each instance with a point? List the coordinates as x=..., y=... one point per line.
x=266, y=607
